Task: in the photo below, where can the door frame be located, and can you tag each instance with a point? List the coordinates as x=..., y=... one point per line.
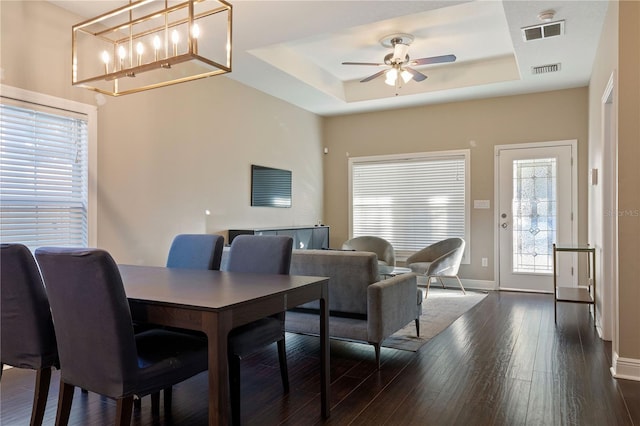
x=573, y=143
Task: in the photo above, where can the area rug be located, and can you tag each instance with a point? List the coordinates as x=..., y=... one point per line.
x=441, y=308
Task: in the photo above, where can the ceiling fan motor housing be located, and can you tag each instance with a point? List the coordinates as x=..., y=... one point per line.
x=391, y=59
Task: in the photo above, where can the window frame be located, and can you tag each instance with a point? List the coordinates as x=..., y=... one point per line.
x=39, y=99
x=433, y=155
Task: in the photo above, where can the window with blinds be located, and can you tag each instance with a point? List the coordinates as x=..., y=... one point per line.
x=411, y=200
x=43, y=175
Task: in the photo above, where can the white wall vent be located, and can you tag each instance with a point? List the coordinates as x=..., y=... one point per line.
x=540, y=31
x=543, y=69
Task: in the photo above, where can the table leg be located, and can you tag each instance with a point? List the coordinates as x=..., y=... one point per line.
x=324, y=353
x=217, y=327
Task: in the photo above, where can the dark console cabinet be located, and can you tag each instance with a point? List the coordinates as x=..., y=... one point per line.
x=304, y=237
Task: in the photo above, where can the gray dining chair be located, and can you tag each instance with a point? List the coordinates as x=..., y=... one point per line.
x=439, y=260
x=258, y=254
x=189, y=251
x=97, y=346
x=196, y=251
x=381, y=247
x=27, y=336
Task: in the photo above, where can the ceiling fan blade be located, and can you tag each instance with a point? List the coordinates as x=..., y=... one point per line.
x=362, y=63
x=417, y=75
x=434, y=60
x=371, y=77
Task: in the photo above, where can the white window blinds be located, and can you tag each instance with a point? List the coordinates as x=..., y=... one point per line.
x=43, y=175
x=411, y=201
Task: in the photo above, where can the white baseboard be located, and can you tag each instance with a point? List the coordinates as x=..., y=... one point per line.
x=467, y=283
x=625, y=368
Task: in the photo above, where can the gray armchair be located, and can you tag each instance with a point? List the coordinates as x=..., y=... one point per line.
x=439, y=260
x=381, y=247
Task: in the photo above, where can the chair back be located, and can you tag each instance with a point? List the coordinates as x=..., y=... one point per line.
x=456, y=246
x=27, y=336
x=444, y=257
x=262, y=254
x=196, y=251
x=381, y=247
x=91, y=318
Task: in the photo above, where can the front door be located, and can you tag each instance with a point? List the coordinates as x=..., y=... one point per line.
x=536, y=199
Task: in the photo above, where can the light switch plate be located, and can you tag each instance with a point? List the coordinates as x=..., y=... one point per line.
x=481, y=204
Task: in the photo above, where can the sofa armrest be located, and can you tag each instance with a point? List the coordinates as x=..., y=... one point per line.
x=391, y=304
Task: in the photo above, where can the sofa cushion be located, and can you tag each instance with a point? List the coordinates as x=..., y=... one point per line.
x=349, y=272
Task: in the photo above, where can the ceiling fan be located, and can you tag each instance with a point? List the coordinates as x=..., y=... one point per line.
x=400, y=63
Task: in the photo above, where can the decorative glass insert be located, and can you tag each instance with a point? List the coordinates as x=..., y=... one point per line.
x=534, y=215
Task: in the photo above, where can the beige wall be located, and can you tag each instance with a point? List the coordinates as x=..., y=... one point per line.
x=629, y=179
x=167, y=155
x=550, y=116
x=35, y=49
x=619, y=54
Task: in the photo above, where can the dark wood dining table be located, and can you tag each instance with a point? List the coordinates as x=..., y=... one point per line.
x=215, y=302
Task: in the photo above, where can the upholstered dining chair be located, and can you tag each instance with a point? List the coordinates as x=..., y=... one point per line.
x=260, y=254
x=439, y=260
x=381, y=247
x=189, y=251
x=98, y=349
x=27, y=336
x=196, y=251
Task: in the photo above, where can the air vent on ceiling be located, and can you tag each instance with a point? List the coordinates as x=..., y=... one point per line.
x=537, y=32
x=543, y=69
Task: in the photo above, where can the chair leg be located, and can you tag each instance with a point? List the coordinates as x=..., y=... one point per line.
x=418, y=327
x=137, y=402
x=124, y=406
x=43, y=378
x=155, y=404
x=441, y=282
x=65, y=398
x=376, y=347
x=460, y=282
x=168, y=397
x=284, y=372
x=234, y=388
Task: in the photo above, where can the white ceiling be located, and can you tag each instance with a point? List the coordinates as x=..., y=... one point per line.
x=294, y=50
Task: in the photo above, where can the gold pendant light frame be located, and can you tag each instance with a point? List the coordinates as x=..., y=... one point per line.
x=152, y=43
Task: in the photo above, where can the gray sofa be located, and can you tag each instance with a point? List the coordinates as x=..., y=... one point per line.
x=363, y=306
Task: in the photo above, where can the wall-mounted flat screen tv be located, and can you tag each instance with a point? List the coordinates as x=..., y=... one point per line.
x=270, y=187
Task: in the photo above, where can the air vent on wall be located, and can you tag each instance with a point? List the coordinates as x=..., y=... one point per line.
x=543, y=69
x=537, y=32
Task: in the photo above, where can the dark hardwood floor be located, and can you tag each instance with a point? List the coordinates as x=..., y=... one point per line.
x=502, y=363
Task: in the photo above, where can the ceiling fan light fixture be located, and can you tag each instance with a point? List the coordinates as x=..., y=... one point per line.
x=391, y=77
x=406, y=76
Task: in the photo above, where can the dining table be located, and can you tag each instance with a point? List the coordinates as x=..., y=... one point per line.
x=215, y=302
